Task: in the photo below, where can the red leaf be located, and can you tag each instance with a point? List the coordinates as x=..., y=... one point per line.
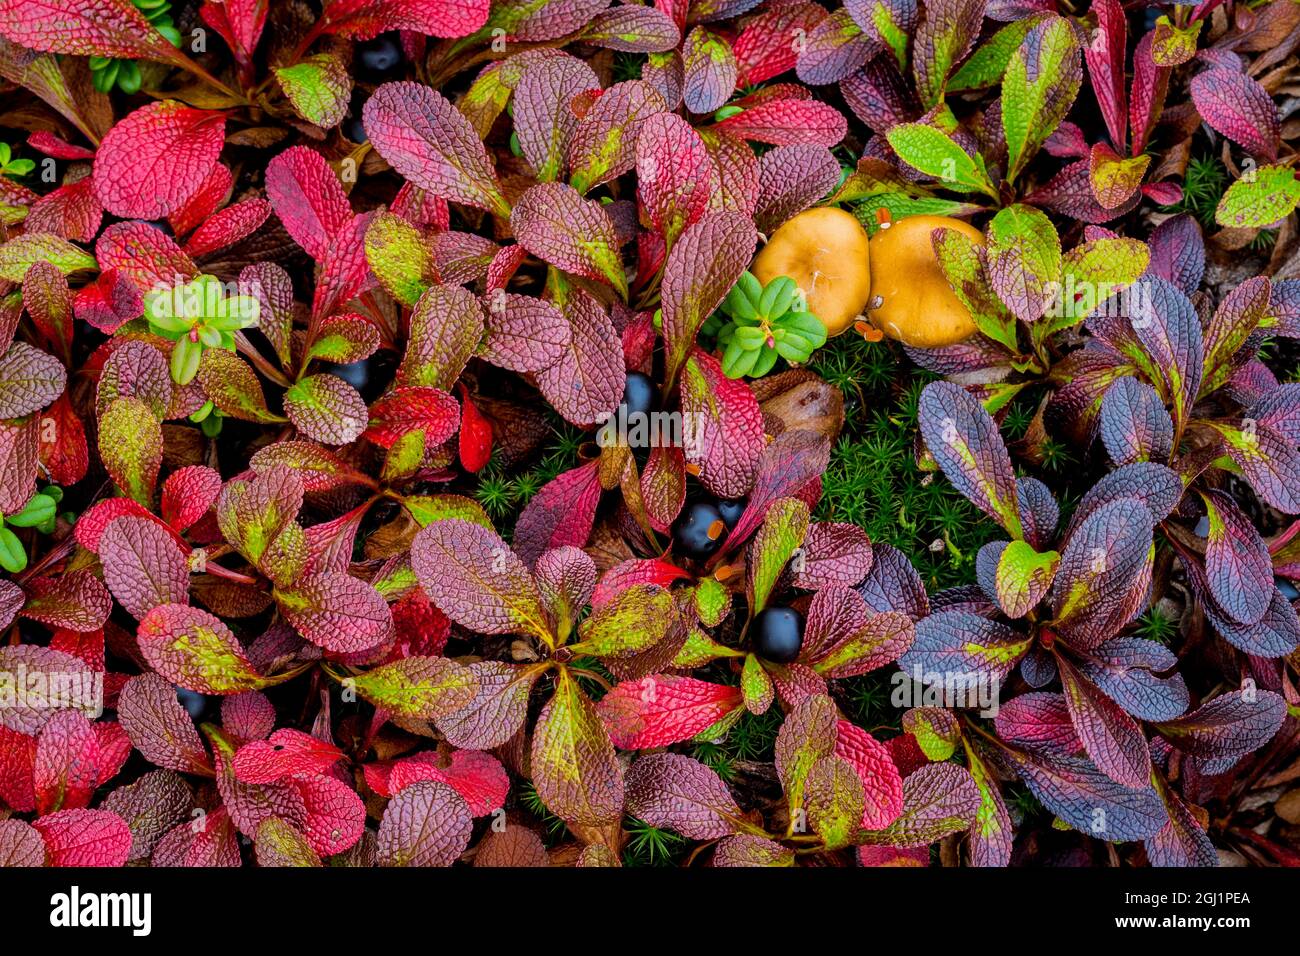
x=228, y=227
x=363, y=19
x=147, y=256
x=159, y=727
x=309, y=199
x=143, y=566
x=188, y=494
x=1105, y=59
x=85, y=838
x=427, y=824
x=63, y=446
x=1238, y=107
x=287, y=752
x=636, y=571
x=152, y=161
x=337, y=612
x=782, y=122
x=430, y=142
x=71, y=211
x=764, y=47
x=561, y=513
x=586, y=383
x=65, y=771
x=207, y=199
x=727, y=435
x=475, y=435
x=108, y=302
x=476, y=776
x=83, y=28
x=249, y=715
x=664, y=709
x=52, y=145
x=335, y=815
x=412, y=408
x=880, y=778
x=673, y=174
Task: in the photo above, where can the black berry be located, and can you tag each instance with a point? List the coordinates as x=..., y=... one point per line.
x=731, y=509
x=379, y=57
x=369, y=376
x=699, y=531
x=195, y=704
x=638, y=394
x=1288, y=589
x=355, y=130
x=778, y=634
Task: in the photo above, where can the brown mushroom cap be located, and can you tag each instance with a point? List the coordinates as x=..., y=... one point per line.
x=916, y=305
x=825, y=252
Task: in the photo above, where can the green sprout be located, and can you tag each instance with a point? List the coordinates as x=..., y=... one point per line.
x=197, y=315
x=13, y=168
x=107, y=72
x=39, y=513
x=762, y=323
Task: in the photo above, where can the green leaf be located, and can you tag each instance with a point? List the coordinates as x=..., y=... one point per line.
x=1092, y=273
x=131, y=447
x=1024, y=255
x=422, y=688
x=775, y=543
x=234, y=387
x=1023, y=577
x=20, y=254
x=636, y=620
x=426, y=509
x=835, y=801
x=988, y=63
x=399, y=257
x=756, y=686
x=277, y=843
x=1038, y=89
x=318, y=87
x=1259, y=199
x=966, y=269
x=935, y=153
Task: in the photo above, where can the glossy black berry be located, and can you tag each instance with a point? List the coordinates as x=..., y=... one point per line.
x=379, y=57
x=778, y=634
x=638, y=394
x=698, y=533
x=731, y=509
x=355, y=130
x=1288, y=589
x=195, y=704
x=369, y=376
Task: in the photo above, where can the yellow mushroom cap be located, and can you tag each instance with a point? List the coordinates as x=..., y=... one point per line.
x=825, y=252
x=916, y=305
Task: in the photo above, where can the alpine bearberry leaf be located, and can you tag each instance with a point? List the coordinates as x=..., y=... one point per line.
x=574, y=767
x=433, y=145
x=153, y=160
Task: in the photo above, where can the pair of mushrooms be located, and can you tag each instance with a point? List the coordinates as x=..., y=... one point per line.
x=891, y=280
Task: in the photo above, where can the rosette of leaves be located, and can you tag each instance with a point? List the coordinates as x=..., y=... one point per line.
x=841, y=789
x=761, y=323
x=634, y=629
x=1058, y=606
x=1157, y=385
x=108, y=72
x=196, y=316
x=1022, y=293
